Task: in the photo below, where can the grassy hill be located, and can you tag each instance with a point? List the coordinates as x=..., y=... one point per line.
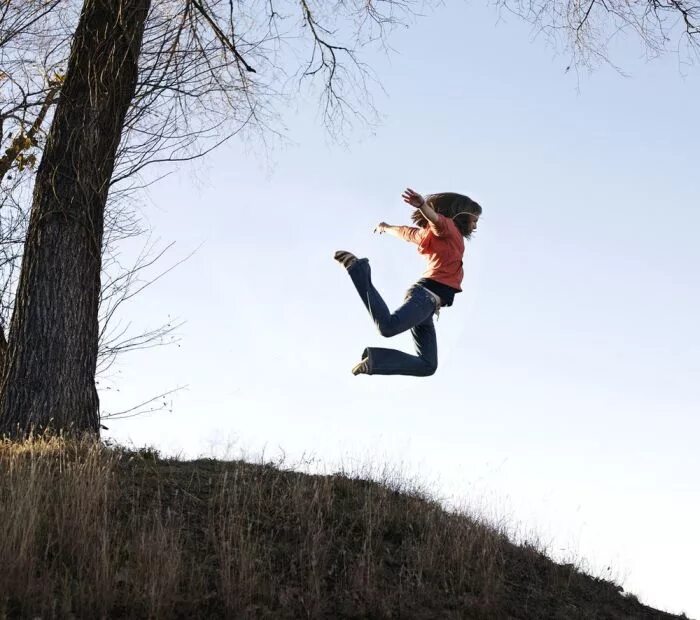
x=89, y=531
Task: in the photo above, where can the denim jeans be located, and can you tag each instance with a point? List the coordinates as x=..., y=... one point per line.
x=415, y=314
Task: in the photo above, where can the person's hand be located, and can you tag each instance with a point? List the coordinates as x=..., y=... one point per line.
x=413, y=198
x=381, y=228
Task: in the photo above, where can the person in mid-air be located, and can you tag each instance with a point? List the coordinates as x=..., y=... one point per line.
x=442, y=221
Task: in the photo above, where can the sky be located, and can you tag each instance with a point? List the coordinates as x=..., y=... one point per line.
x=566, y=401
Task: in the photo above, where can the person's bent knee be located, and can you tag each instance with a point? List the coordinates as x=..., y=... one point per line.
x=387, y=330
x=429, y=369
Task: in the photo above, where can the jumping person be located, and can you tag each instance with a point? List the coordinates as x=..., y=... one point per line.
x=442, y=222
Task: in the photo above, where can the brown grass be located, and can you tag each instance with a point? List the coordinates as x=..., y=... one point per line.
x=89, y=531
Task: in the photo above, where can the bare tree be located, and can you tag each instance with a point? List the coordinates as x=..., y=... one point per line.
x=33, y=44
x=585, y=28
x=49, y=377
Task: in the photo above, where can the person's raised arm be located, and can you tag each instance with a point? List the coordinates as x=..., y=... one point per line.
x=417, y=201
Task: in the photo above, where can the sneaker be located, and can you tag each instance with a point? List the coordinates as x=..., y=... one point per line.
x=346, y=259
x=361, y=368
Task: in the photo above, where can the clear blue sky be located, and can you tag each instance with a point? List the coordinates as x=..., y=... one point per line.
x=566, y=402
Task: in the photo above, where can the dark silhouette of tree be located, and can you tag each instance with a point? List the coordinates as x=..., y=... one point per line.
x=49, y=370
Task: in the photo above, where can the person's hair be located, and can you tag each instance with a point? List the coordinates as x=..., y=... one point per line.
x=455, y=206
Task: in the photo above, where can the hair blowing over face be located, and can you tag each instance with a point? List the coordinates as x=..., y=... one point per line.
x=457, y=207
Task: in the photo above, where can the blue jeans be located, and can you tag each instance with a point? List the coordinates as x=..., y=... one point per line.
x=415, y=314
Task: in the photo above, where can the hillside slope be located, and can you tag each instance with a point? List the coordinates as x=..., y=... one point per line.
x=89, y=531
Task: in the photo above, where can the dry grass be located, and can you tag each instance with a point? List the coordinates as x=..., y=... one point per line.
x=89, y=531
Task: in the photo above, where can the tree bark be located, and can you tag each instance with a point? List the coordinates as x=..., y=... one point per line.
x=3, y=350
x=49, y=376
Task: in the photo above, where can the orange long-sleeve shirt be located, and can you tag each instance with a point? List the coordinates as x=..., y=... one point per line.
x=443, y=247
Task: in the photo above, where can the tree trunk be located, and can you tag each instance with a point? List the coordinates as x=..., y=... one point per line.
x=49, y=376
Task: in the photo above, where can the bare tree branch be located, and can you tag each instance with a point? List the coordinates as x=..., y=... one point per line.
x=147, y=406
